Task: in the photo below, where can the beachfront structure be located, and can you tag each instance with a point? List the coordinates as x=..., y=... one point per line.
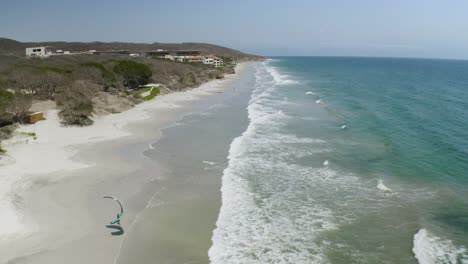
x=168, y=57
x=98, y=52
x=174, y=53
x=213, y=60
x=217, y=62
x=208, y=60
x=194, y=59
x=186, y=56
x=38, y=52
x=183, y=58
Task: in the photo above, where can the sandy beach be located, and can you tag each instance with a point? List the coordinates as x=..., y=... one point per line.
x=51, y=186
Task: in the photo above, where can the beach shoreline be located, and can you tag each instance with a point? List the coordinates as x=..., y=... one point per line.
x=58, y=180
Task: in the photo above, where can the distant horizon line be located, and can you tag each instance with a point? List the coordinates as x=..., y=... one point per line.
x=364, y=57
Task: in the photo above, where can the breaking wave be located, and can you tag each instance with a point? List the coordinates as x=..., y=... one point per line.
x=430, y=249
x=250, y=221
x=265, y=191
x=282, y=197
x=280, y=79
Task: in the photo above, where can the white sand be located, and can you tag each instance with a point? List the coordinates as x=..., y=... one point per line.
x=30, y=160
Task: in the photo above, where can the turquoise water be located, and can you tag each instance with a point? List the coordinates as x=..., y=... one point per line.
x=349, y=160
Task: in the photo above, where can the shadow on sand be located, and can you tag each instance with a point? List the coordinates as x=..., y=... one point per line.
x=119, y=230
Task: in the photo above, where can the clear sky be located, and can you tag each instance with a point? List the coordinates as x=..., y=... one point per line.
x=396, y=28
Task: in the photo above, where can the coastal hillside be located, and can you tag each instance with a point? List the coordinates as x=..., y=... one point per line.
x=82, y=84
x=13, y=47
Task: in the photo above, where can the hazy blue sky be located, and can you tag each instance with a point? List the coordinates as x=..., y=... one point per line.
x=414, y=28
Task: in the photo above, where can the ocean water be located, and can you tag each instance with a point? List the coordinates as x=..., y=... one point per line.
x=349, y=160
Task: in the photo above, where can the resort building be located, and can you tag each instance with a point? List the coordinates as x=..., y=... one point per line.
x=38, y=52
x=168, y=57
x=175, y=53
x=183, y=58
x=194, y=58
x=213, y=60
x=217, y=62
x=208, y=60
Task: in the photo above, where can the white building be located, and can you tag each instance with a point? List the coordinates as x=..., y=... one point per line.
x=213, y=60
x=217, y=62
x=169, y=57
x=208, y=60
x=38, y=52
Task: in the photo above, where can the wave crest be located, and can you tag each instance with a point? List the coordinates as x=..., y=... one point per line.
x=430, y=249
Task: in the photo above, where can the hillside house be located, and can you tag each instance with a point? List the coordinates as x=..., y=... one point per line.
x=213, y=60
x=208, y=60
x=169, y=57
x=194, y=58
x=38, y=52
x=217, y=62
x=174, y=53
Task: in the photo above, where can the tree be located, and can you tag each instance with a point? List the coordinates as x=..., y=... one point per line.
x=6, y=97
x=19, y=105
x=75, y=102
x=24, y=81
x=89, y=73
x=48, y=84
x=133, y=73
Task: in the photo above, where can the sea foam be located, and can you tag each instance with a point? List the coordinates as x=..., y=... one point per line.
x=264, y=193
x=430, y=249
x=245, y=232
x=280, y=79
x=276, y=206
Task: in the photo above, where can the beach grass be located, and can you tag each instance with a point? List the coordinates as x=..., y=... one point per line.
x=31, y=134
x=154, y=91
x=152, y=94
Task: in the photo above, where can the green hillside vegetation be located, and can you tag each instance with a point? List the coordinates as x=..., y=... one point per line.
x=134, y=73
x=154, y=91
x=104, y=71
